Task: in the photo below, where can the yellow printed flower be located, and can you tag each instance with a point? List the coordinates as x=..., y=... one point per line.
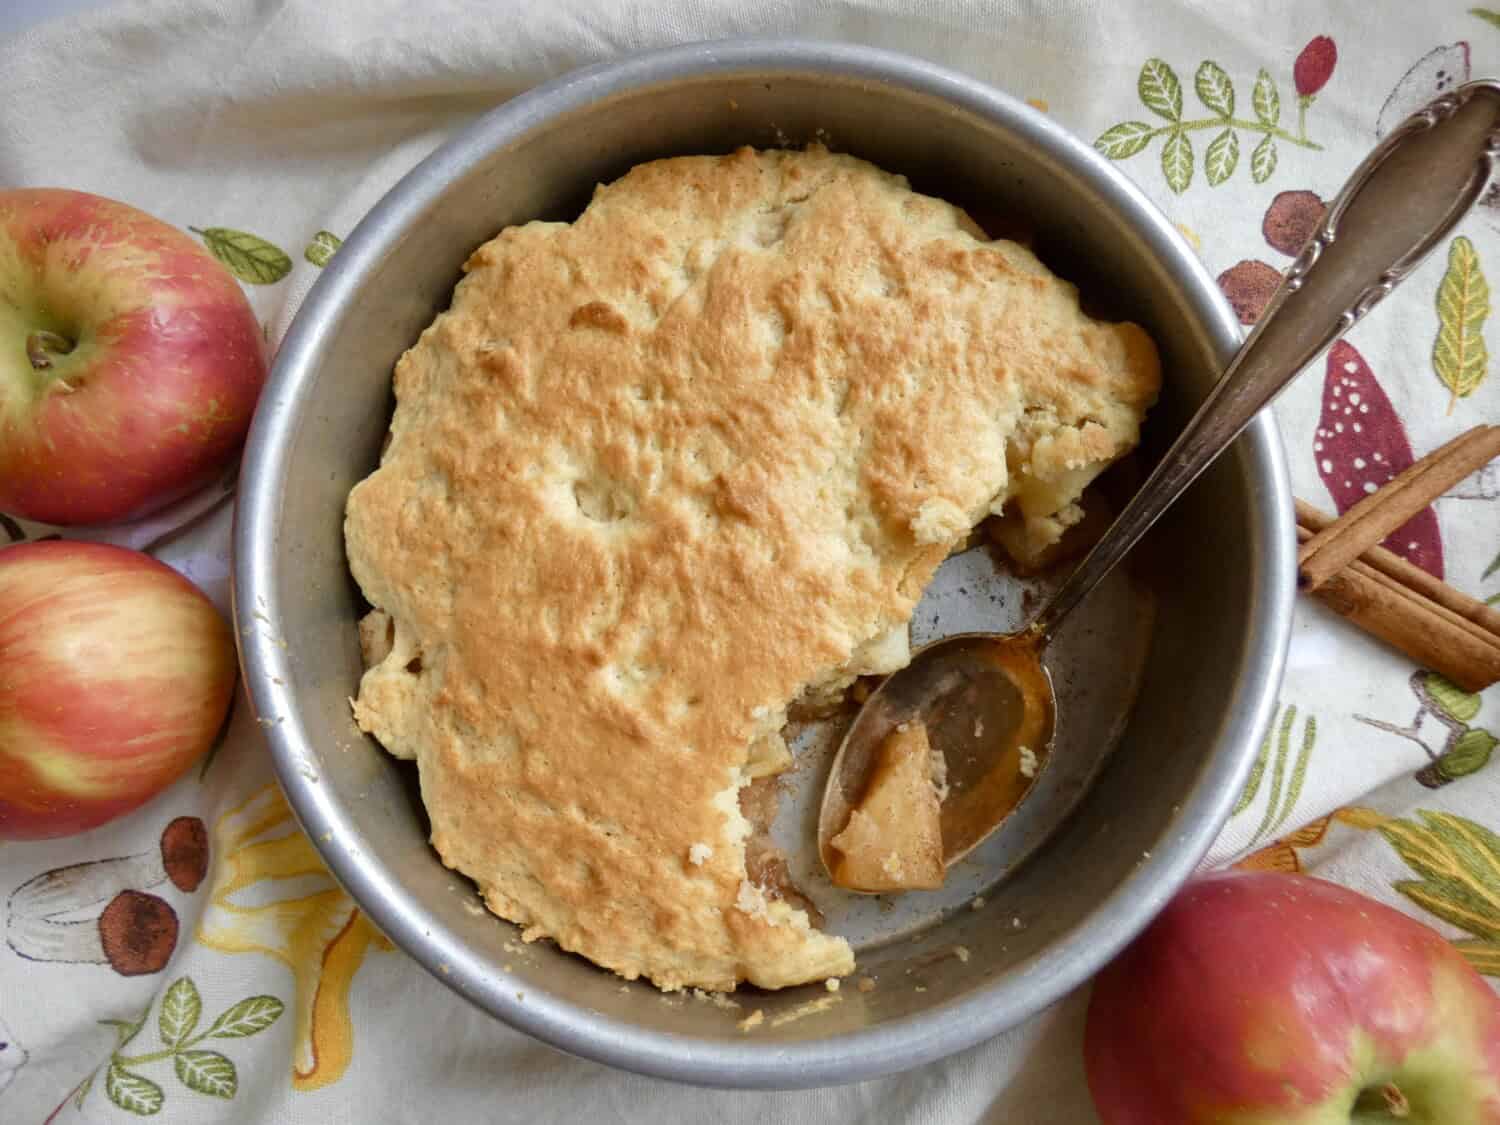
x=272, y=894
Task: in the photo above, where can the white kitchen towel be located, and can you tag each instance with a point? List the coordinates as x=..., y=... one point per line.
x=285, y=120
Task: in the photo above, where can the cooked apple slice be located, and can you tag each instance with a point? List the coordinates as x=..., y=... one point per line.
x=894, y=841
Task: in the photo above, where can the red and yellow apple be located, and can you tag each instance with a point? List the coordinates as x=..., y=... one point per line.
x=130, y=361
x=1269, y=999
x=115, y=675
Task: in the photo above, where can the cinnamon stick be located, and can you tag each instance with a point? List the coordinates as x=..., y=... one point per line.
x=1414, y=577
x=1431, y=634
x=1334, y=547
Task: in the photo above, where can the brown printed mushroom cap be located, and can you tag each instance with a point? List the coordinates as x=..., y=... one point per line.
x=138, y=933
x=1249, y=286
x=1291, y=219
x=184, y=852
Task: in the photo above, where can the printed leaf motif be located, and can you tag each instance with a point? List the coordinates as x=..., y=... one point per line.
x=1463, y=303
x=83, y=1091
x=1266, y=100
x=252, y=1015
x=249, y=257
x=207, y=1072
x=1177, y=161
x=1489, y=570
x=1257, y=772
x=1215, y=90
x=1451, y=699
x=1159, y=90
x=1483, y=955
x=181, y=1008
x=1487, y=14
x=1470, y=754
x=1284, y=790
x=131, y=1092
x=1263, y=159
x=1459, y=864
x=325, y=244
x=1122, y=140
x=1222, y=156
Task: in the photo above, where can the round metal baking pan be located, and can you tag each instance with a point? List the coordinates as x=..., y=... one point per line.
x=1140, y=819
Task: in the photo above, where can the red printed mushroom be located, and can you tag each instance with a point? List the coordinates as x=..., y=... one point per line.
x=1360, y=444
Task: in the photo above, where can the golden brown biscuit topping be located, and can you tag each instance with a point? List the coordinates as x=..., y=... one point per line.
x=662, y=471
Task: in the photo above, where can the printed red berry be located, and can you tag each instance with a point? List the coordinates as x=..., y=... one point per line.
x=1314, y=66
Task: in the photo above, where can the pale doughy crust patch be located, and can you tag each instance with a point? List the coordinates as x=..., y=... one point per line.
x=660, y=471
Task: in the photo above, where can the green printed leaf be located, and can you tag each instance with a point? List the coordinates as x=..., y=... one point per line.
x=250, y=1016
x=1125, y=139
x=1266, y=99
x=83, y=1091
x=1299, y=770
x=1451, y=699
x=131, y=1092
x=1459, y=864
x=1470, y=754
x=1460, y=357
x=323, y=246
x=1215, y=90
x=249, y=257
x=1159, y=90
x=1222, y=156
x=1489, y=15
x=180, y=1009
x=1177, y=161
x=1483, y=955
x=1263, y=159
x=1278, y=771
x=1257, y=771
x=207, y=1072
x=1489, y=570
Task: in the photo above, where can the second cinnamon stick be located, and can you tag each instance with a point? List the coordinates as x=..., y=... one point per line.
x=1433, y=636
x=1394, y=566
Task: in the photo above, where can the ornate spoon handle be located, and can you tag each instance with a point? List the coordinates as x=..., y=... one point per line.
x=1405, y=196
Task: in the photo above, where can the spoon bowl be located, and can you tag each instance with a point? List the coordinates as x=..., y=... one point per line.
x=987, y=703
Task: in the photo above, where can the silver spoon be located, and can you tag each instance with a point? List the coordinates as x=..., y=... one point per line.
x=1408, y=193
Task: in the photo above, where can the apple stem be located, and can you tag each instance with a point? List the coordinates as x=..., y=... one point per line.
x=42, y=345
x=1395, y=1101
x=1385, y=1102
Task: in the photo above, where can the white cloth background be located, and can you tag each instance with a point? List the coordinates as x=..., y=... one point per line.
x=288, y=117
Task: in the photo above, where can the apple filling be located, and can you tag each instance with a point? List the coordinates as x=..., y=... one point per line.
x=893, y=840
